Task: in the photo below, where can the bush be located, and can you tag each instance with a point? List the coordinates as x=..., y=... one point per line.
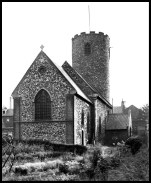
x=90, y=172
x=63, y=168
x=95, y=157
x=21, y=171
x=103, y=167
x=68, y=156
x=134, y=143
x=115, y=162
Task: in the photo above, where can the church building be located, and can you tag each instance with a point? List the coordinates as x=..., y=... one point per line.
x=66, y=104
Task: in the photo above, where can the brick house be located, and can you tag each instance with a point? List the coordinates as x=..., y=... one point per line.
x=7, y=121
x=138, y=125
x=134, y=112
x=7, y=118
x=118, y=128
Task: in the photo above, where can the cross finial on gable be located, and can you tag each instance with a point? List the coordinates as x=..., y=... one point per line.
x=41, y=47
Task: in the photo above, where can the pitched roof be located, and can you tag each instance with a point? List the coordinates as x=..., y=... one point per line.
x=78, y=90
x=134, y=111
x=73, y=84
x=9, y=112
x=88, y=89
x=117, y=121
x=117, y=109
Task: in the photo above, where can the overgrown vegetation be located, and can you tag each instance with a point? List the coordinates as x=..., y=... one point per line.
x=134, y=143
x=35, y=162
x=47, y=145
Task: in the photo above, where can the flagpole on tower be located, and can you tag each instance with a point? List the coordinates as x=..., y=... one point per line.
x=89, y=16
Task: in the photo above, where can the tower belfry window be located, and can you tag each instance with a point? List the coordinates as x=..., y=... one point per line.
x=87, y=49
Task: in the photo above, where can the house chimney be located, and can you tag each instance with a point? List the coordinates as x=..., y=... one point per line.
x=123, y=105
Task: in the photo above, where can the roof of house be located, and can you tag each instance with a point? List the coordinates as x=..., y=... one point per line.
x=117, y=121
x=134, y=111
x=117, y=109
x=139, y=123
x=73, y=84
x=88, y=89
x=9, y=112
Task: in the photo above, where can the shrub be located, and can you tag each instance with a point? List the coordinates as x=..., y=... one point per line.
x=90, y=173
x=63, y=168
x=103, y=167
x=67, y=156
x=19, y=157
x=134, y=143
x=115, y=162
x=21, y=171
x=41, y=155
x=23, y=156
x=95, y=157
x=79, y=149
x=91, y=161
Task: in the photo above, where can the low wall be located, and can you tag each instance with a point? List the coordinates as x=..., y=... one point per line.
x=55, y=131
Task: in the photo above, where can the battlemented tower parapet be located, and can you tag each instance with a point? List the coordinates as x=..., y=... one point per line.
x=90, y=58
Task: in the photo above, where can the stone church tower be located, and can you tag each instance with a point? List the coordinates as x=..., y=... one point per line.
x=90, y=58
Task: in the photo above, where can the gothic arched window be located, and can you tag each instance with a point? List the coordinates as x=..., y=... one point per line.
x=42, y=105
x=100, y=125
x=82, y=119
x=87, y=49
x=88, y=123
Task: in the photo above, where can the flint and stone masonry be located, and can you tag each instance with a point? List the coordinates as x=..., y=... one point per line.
x=56, y=86
x=94, y=66
x=77, y=110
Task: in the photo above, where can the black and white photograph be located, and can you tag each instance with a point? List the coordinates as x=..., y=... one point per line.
x=75, y=91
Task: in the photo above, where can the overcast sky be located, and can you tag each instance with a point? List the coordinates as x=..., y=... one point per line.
x=25, y=26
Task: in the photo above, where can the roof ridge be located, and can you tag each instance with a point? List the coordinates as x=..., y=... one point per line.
x=64, y=74
x=25, y=73
x=85, y=80
x=93, y=89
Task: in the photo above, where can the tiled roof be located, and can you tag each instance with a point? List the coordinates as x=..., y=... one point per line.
x=134, y=111
x=76, y=87
x=117, y=109
x=88, y=89
x=9, y=112
x=117, y=121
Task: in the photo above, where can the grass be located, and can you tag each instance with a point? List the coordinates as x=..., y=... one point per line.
x=132, y=167
x=34, y=163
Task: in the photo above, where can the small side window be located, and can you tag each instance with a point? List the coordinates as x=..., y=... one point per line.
x=87, y=49
x=82, y=119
